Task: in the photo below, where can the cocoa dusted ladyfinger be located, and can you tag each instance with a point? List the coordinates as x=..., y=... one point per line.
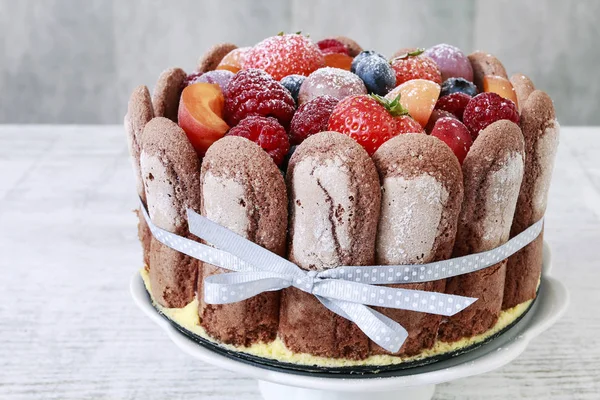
x=485, y=64
x=167, y=91
x=171, y=173
x=492, y=173
x=422, y=192
x=334, y=208
x=139, y=113
x=211, y=59
x=244, y=191
x=540, y=131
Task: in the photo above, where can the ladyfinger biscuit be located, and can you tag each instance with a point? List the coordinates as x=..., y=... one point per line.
x=139, y=113
x=523, y=88
x=171, y=174
x=422, y=191
x=167, y=92
x=214, y=55
x=334, y=208
x=353, y=47
x=492, y=173
x=485, y=64
x=244, y=191
x=540, y=131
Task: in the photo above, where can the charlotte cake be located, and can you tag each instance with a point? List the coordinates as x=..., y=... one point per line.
x=445, y=157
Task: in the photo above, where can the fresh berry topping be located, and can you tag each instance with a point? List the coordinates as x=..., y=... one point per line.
x=361, y=55
x=413, y=65
x=451, y=61
x=293, y=83
x=191, y=78
x=332, y=82
x=377, y=74
x=330, y=46
x=455, y=134
x=254, y=92
x=311, y=117
x=487, y=108
x=285, y=55
x=435, y=115
x=267, y=133
x=408, y=125
x=454, y=85
x=200, y=115
x=454, y=103
x=366, y=120
x=234, y=60
x=218, y=77
x=501, y=86
x=418, y=96
x=338, y=60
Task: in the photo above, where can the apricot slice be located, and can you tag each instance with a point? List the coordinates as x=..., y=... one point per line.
x=338, y=60
x=234, y=60
x=501, y=86
x=200, y=115
x=418, y=96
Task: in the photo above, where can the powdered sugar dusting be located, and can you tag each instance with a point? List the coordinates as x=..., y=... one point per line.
x=224, y=203
x=411, y=210
x=333, y=82
x=160, y=194
x=500, y=203
x=323, y=204
x=545, y=153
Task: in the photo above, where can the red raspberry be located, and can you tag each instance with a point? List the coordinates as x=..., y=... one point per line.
x=486, y=108
x=285, y=55
x=311, y=117
x=267, y=133
x=455, y=134
x=415, y=66
x=370, y=121
x=254, y=92
x=454, y=103
x=330, y=46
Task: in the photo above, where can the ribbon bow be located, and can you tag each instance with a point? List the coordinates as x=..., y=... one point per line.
x=347, y=290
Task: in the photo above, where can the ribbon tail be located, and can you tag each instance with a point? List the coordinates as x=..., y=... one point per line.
x=237, y=286
x=382, y=330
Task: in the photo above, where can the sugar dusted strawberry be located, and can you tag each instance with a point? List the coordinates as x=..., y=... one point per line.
x=267, y=133
x=254, y=92
x=486, y=108
x=284, y=55
x=454, y=103
x=311, y=117
x=455, y=134
x=370, y=120
x=406, y=124
x=414, y=65
x=331, y=46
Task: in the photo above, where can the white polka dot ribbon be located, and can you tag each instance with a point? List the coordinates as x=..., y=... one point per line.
x=347, y=291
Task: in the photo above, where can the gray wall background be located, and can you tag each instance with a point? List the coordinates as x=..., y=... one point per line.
x=70, y=61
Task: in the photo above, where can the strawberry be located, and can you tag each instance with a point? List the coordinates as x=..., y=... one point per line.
x=414, y=65
x=371, y=120
x=284, y=55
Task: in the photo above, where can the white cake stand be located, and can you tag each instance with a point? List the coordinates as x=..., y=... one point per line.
x=415, y=383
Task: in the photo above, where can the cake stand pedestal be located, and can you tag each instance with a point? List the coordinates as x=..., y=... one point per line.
x=415, y=383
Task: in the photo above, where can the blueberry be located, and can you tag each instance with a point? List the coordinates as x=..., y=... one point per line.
x=377, y=74
x=361, y=55
x=293, y=83
x=453, y=85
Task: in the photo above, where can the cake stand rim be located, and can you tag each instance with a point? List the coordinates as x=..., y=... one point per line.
x=551, y=304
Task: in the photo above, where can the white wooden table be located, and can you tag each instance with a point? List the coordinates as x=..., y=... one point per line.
x=69, y=330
